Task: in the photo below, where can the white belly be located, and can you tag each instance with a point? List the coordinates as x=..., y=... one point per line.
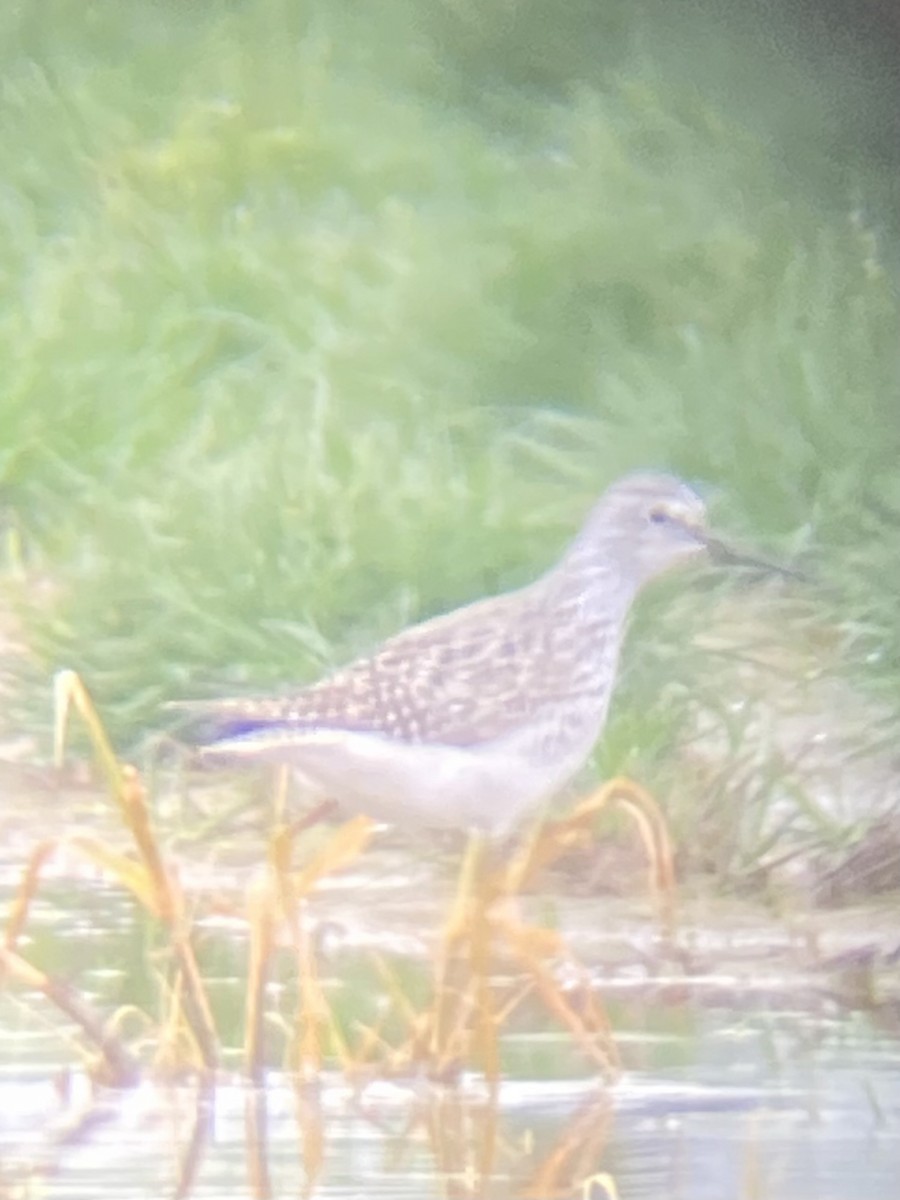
x=488, y=787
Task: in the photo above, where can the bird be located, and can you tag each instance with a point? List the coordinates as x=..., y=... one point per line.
x=479, y=717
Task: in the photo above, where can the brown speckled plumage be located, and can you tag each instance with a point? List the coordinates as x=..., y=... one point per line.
x=456, y=682
x=510, y=688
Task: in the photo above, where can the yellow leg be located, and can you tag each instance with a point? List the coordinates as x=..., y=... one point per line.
x=465, y=1018
x=548, y=843
x=451, y=991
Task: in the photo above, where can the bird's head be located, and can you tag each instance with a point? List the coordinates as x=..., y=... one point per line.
x=645, y=524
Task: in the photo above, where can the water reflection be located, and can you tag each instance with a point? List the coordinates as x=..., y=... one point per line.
x=774, y=1075
x=782, y=1106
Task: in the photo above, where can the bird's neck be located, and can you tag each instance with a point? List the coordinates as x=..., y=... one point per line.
x=592, y=584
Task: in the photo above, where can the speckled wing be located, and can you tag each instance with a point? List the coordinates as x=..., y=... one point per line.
x=460, y=680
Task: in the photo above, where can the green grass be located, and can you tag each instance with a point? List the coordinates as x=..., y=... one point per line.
x=325, y=317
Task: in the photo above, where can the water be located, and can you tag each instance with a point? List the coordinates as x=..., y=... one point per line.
x=790, y=1110
x=758, y=1079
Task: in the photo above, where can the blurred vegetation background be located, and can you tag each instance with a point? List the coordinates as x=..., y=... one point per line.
x=321, y=317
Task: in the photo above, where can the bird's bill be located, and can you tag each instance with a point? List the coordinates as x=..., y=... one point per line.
x=721, y=553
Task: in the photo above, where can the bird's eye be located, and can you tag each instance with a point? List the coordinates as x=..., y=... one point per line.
x=658, y=516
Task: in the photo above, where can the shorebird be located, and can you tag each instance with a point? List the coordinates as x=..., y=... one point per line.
x=479, y=717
